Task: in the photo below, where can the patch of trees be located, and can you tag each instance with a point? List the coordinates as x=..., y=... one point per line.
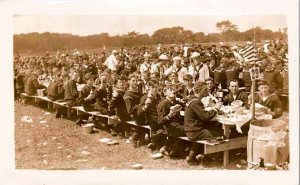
x=228, y=32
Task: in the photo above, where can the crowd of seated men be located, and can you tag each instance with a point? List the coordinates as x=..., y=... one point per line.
x=151, y=86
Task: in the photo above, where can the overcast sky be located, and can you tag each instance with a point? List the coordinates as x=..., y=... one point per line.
x=115, y=24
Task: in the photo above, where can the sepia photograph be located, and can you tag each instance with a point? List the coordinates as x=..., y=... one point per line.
x=157, y=92
x=151, y=96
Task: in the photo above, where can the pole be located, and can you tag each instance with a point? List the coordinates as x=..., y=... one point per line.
x=253, y=99
x=253, y=80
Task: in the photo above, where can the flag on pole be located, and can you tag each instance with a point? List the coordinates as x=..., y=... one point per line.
x=248, y=53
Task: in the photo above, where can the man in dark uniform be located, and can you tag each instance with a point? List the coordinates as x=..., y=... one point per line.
x=86, y=97
x=55, y=90
x=71, y=93
x=232, y=70
x=117, y=108
x=235, y=94
x=220, y=74
x=196, y=119
x=169, y=116
x=148, y=115
x=32, y=84
x=273, y=76
x=102, y=94
x=132, y=99
x=267, y=98
x=246, y=77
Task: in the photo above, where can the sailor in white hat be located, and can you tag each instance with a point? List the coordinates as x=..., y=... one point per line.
x=177, y=68
x=111, y=62
x=147, y=65
x=160, y=65
x=197, y=69
x=185, y=50
x=237, y=55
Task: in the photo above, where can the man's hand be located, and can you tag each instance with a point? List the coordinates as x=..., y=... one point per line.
x=115, y=94
x=218, y=105
x=172, y=114
x=148, y=101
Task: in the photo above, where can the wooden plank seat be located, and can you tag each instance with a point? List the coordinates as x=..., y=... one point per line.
x=229, y=144
x=81, y=110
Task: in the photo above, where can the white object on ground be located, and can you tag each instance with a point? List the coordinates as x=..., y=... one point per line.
x=43, y=121
x=127, y=141
x=136, y=166
x=26, y=119
x=84, y=152
x=157, y=155
x=104, y=140
x=113, y=142
x=81, y=160
x=47, y=113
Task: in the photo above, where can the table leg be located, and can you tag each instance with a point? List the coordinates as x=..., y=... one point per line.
x=226, y=152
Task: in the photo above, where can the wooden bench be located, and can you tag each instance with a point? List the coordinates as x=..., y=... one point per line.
x=229, y=144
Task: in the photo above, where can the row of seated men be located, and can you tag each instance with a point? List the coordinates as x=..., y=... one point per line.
x=155, y=105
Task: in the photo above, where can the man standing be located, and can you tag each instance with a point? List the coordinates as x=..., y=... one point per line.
x=112, y=62
x=197, y=69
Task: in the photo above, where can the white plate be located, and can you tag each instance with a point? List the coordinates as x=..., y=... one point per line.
x=156, y=156
x=136, y=166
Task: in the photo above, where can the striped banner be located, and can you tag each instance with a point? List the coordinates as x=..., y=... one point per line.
x=248, y=53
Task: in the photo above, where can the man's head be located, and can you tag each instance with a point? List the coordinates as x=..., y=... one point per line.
x=173, y=77
x=119, y=83
x=153, y=87
x=233, y=86
x=132, y=80
x=209, y=83
x=263, y=87
x=188, y=79
x=170, y=94
x=177, y=61
x=195, y=58
x=273, y=60
x=200, y=89
x=89, y=80
x=75, y=76
x=146, y=75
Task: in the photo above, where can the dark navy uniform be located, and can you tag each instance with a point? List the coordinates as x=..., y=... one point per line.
x=273, y=78
x=197, y=125
x=220, y=77
x=132, y=100
x=32, y=85
x=272, y=102
x=71, y=93
x=173, y=126
x=229, y=98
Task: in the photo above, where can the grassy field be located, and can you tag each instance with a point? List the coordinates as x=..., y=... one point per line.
x=61, y=144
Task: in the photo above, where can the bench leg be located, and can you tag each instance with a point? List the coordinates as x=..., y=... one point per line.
x=226, y=152
x=69, y=112
x=49, y=105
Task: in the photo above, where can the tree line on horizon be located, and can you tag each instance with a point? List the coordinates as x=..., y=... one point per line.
x=228, y=32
